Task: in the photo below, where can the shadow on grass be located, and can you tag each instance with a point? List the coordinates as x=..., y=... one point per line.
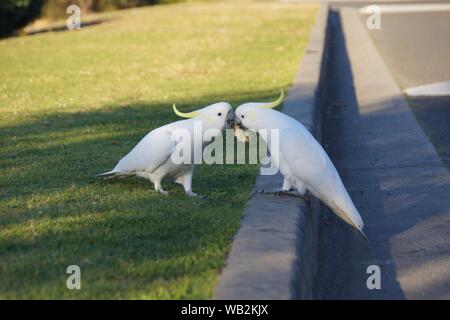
x=60, y=27
x=55, y=212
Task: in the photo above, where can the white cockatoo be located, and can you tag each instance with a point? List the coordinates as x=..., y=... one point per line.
x=301, y=160
x=152, y=158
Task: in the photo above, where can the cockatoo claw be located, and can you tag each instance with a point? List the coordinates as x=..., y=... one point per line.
x=191, y=194
x=279, y=193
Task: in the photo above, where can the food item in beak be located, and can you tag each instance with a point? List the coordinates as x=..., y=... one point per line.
x=241, y=134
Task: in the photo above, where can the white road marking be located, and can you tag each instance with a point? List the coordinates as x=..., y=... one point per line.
x=438, y=89
x=408, y=8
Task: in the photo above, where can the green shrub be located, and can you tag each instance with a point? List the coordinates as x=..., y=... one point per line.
x=57, y=8
x=14, y=14
x=17, y=13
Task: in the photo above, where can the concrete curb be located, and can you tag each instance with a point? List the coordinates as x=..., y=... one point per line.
x=274, y=253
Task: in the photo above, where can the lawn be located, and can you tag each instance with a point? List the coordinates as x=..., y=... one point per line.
x=74, y=102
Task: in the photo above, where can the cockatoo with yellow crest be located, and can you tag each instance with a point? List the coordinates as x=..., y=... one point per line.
x=301, y=160
x=153, y=157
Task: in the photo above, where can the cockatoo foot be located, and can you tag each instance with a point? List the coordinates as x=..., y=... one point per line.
x=295, y=194
x=280, y=192
x=163, y=192
x=191, y=194
x=159, y=189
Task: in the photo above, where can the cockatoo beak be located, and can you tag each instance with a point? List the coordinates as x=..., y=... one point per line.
x=230, y=119
x=238, y=124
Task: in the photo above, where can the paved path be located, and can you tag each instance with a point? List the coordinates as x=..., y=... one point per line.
x=394, y=176
x=416, y=48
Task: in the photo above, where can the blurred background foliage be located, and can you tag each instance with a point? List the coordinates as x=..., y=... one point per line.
x=14, y=14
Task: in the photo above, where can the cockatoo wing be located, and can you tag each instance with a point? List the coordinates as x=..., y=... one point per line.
x=302, y=157
x=150, y=153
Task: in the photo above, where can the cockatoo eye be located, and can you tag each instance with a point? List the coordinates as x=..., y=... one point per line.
x=242, y=116
x=219, y=114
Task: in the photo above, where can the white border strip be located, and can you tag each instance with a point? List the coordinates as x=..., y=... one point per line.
x=406, y=8
x=438, y=89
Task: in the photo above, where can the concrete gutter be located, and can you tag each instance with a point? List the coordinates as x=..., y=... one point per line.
x=274, y=254
x=393, y=174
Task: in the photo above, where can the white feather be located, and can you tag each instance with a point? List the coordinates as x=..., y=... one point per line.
x=151, y=152
x=152, y=159
x=302, y=160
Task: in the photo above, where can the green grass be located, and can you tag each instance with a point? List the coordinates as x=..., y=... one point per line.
x=73, y=103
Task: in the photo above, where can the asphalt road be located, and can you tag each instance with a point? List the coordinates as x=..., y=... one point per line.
x=393, y=175
x=416, y=48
